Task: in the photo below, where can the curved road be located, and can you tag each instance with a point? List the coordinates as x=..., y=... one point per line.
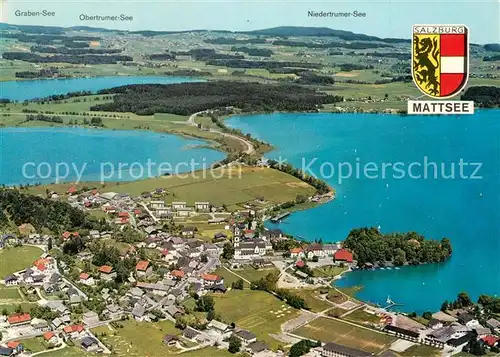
x=249, y=149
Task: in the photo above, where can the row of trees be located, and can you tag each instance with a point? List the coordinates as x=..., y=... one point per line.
x=75, y=59
x=74, y=51
x=45, y=118
x=325, y=45
x=371, y=246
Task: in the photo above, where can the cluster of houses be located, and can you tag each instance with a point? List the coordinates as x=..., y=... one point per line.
x=52, y=333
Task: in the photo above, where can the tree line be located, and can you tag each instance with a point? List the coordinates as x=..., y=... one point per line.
x=235, y=41
x=188, y=98
x=371, y=246
x=243, y=63
x=45, y=118
x=74, y=51
x=252, y=51
x=43, y=73
x=74, y=59
x=483, y=96
x=351, y=45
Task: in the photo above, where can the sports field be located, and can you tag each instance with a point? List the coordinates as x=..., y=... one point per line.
x=257, y=311
x=329, y=330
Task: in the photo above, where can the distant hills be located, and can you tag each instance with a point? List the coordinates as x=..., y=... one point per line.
x=280, y=31
x=288, y=31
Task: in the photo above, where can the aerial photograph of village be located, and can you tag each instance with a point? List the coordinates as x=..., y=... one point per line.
x=268, y=179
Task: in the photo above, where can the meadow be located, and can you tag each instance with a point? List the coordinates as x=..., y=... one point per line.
x=17, y=258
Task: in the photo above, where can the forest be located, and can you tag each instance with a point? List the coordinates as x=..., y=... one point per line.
x=43, y=73
x=19, y=208
x=261, y=52
x=188, y=98
x=483, y=96
x=369, y=245
x=75, y=59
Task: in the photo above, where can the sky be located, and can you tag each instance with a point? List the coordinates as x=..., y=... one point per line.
x=389, y=18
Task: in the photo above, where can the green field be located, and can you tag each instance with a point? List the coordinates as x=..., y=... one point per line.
x=256, y=311
x=68, y=352
x=233, y=188
x=138, y=338
x=328, y=271
x=311, y=298
x=34, y=344
x=251, y=274
x=362, y=317
x=228, y=277
x=420, y=350
x=329, y=330
x=9, y=293
x=17, y=258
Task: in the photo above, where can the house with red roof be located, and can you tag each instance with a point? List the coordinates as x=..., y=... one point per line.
x=211, y=279
x=343, y=256
x=300, y=264
x=143, y=268
x=15, y=346
x=123, y=214
x=44, y=264
x=74, y=331
x=67, y=235
x=178, y=274
x=51, y=338
x=491, y=340
x=19, y=320
x=86, y=279
x=107, y=273
x=297, y=252
x=72, y=190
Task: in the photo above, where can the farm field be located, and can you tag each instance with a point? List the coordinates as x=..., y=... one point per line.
x=257, y=311
x=329, y=330
x=138, y=339
x=17, y=258
x=233, y=188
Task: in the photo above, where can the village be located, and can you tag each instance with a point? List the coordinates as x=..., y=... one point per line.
x=154, y=266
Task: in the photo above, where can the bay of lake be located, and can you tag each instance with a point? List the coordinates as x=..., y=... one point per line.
x=464, y=210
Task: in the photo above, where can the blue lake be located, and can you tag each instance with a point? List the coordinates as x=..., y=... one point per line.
x=40, y=151
x=29, y=89
x=465, y=210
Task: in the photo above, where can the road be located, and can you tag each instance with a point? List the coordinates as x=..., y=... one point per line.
x=149, y=212
x=249, y=148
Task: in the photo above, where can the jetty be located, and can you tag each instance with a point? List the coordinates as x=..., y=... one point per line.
x=390, y=303
x=278, y=218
